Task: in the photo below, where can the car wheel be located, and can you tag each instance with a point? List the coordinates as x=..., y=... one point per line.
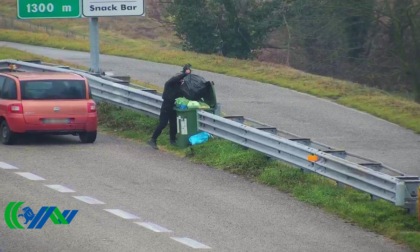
x=87, y=137
x=6, y=135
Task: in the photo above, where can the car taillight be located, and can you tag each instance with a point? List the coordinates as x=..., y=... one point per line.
x=91, y=107
x=15, y=108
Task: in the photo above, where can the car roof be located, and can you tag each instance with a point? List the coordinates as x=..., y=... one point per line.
x=45, y=76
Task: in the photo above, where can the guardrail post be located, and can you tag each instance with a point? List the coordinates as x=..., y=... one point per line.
x=218, y=110
x=400, y=194
x=418, y=204
x=411, y=192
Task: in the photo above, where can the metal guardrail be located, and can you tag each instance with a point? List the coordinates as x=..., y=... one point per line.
x=328, y=165
x=377, y=166
x=367, y=176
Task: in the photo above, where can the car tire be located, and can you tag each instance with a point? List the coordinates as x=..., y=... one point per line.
x=87, y=137
x=7, y=137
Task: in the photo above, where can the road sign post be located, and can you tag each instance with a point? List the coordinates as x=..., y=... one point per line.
x=34, y=9
x=105, y=8
x=94, y=45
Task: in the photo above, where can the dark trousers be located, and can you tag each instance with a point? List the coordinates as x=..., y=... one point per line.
x=167, y=114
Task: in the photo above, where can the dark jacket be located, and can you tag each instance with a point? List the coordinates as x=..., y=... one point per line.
x=172, y=90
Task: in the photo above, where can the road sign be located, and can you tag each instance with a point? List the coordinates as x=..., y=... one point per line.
x=28, y=9
x=106, y=8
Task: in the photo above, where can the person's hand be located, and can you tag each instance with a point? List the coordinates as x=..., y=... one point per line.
x=186, y=69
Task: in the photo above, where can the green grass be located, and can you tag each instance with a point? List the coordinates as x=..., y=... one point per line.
x=10, y=53
x=354, y=206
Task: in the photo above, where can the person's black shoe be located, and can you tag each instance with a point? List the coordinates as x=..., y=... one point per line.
x=152, y=143
x=173, y=142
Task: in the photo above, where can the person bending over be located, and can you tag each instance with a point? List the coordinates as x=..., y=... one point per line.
x=171, y=91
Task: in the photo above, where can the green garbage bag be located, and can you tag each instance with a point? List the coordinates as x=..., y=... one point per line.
x=181, y=102
x=204, y=105
x=193, y=104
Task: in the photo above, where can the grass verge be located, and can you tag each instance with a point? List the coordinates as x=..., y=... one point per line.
x=352, y=205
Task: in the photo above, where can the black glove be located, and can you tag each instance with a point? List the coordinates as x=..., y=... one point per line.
x=186, y=67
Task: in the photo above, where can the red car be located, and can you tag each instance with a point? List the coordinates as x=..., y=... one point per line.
x=46, y=103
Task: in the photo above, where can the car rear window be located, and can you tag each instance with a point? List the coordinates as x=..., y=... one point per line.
x=53, y=90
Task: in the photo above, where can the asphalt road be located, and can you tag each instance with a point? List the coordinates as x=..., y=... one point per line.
x=154, y=191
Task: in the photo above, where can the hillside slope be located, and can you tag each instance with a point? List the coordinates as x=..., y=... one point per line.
x=151, y=26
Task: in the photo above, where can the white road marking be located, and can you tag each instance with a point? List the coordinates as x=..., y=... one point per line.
x=122, y=214
x=190, y=243
x=29, y=176
x=154, y=227
x=89, y=200
x=6, y=166
x=61, y=188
